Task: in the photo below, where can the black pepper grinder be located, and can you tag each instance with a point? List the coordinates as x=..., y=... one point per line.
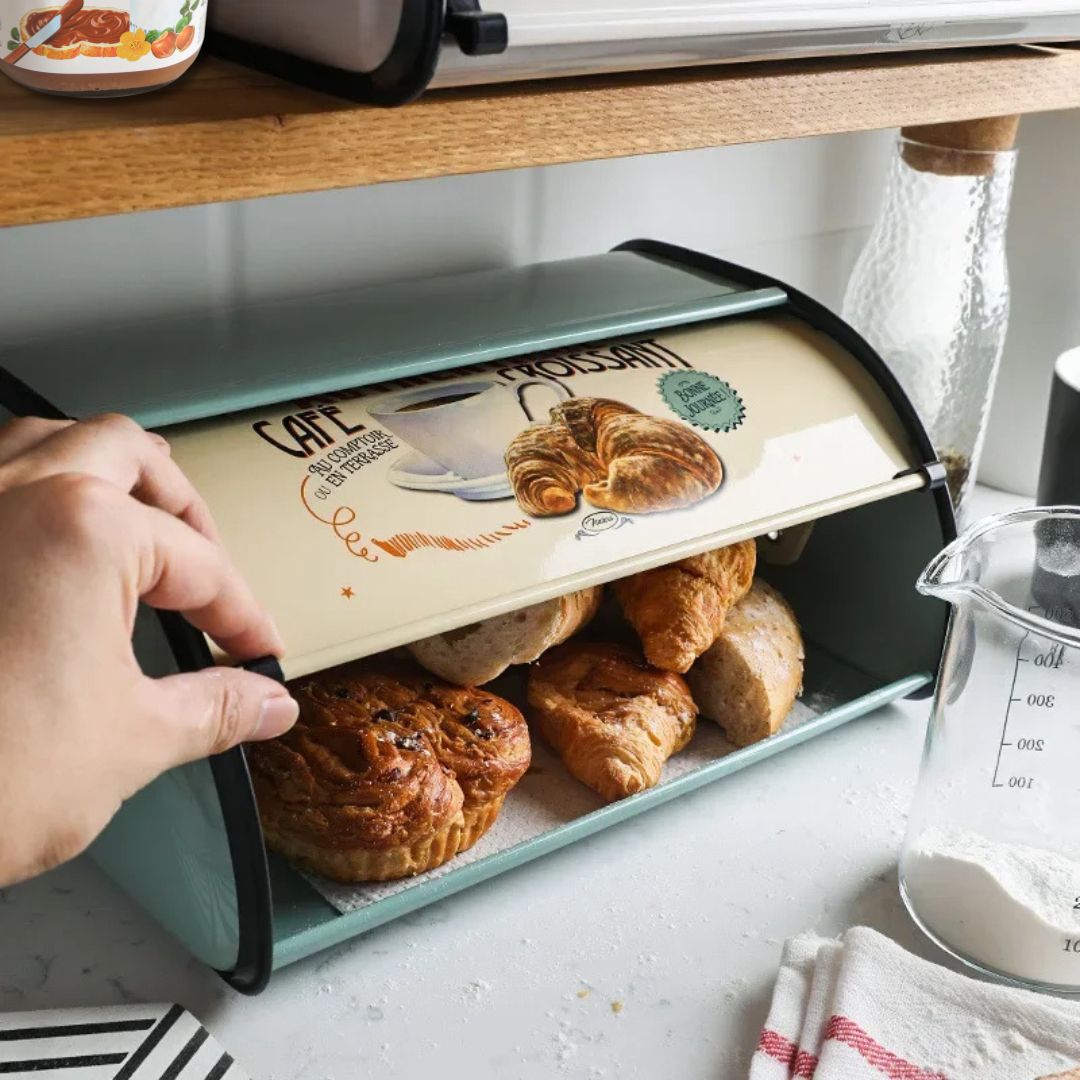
x=1059, y=477
x=1056, y=583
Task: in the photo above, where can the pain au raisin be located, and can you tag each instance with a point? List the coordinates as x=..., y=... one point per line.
x=472, y=721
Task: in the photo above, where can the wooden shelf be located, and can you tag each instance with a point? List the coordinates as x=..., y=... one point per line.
x=227, y=133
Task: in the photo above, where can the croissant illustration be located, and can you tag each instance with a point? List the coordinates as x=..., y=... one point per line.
x=620, y=458
x=652, y=464
x=584, y=417
x=548, y=468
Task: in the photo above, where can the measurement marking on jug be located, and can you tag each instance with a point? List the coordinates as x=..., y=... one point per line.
x=1005, y=727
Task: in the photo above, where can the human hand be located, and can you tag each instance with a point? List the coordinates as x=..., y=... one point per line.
x=95, y=516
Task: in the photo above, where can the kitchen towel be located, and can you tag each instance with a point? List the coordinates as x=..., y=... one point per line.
x=862, y=1008
x=126, y=1042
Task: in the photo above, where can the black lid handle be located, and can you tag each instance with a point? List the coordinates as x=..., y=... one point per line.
x=478, y=33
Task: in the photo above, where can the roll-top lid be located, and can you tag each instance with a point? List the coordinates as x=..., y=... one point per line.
x=368, y=518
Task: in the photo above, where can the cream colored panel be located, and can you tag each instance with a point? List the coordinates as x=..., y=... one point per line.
x=371, y=518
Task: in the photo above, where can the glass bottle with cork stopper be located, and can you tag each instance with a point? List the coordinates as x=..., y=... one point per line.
x=930, y=290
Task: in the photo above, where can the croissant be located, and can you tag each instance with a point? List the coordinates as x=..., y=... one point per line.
x=651, y=464
x=612, y=718
x=548, y=468
x=679, y=610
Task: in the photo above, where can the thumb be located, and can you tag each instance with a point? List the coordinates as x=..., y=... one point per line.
x=206, y=712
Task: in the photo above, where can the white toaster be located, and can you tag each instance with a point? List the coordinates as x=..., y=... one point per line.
x=391, y=50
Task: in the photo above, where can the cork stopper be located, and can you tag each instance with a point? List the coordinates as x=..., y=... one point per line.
x=962, y=148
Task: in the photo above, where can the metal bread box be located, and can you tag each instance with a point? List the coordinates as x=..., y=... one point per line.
x=364, y=523
x=389, y=51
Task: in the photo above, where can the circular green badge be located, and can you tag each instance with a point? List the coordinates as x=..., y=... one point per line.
x=703, y=400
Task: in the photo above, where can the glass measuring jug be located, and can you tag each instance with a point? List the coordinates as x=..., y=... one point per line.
x=990, y=866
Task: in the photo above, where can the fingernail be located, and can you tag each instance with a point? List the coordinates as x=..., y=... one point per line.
x=276, y=716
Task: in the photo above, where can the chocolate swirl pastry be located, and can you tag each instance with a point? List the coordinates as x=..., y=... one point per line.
x=484, y=741
x=619, y=458
x=387, y=773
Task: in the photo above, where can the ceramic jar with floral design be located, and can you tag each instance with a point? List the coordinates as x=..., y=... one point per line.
x=88, y=48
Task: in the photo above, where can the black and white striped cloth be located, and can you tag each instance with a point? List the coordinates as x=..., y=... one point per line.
x=128, y=1042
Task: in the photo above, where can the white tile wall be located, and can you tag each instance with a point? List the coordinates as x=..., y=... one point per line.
x=769, y=205
x=1044, y=269
x=799, y=210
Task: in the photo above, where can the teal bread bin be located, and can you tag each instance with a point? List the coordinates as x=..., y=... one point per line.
x=365, y=518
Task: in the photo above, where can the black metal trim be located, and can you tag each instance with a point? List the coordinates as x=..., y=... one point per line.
x=269, y=666
x=933, y=473
x=22, y=400
x=821, y=318
x=247, y=849
x=401, y=77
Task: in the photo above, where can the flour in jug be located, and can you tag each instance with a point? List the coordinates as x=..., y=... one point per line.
x=1010, y=907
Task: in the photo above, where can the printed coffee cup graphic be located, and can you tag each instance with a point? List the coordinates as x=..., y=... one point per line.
x=616, y=457
x=459, y=432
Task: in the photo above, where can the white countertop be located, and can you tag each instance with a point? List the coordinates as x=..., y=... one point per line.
x=679, y=915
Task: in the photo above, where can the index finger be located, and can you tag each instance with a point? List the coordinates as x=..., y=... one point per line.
x=116, y=449
x=23, y=433
x=179, y=569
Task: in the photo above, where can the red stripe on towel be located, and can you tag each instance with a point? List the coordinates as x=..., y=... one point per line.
x=805, y=1064
x=850, y=1034
x=777, y=1047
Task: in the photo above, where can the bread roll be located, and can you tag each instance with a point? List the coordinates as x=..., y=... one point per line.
x=476, y=654
x=749, y=679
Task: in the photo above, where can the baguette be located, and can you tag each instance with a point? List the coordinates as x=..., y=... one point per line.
x=476, y=654
x=748, y=680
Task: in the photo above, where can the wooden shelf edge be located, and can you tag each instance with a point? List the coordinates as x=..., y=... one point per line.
x=226, y=133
